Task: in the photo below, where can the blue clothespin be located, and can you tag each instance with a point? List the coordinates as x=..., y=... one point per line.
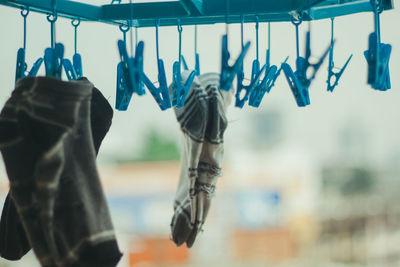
x=271, y=74
x=160, y=94
x=228, y=72
x=179, y=90
x=129, y=75
x=53, y=60
x=331, y=74
x=378, y=54
x=76, y=58
x=21, y=66
x=53, y=56
x=196, y=55
x=255, y=74
x=74, y=70
x=298, y=81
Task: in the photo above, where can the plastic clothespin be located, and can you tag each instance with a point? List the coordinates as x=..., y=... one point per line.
x=298, y=81
x=228, y=72
x=53, y=60
x=73, y=70
x=179, y=90
x=271, y=75
x=129, y=75
x=331, y=65
x=255, y=75
x=22, y=66
x=160, y=94
x=378, y=54
x=299, y=90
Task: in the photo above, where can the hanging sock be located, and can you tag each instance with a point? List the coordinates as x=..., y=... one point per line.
x=60, y=216
x=193, y=122
x=201, y=159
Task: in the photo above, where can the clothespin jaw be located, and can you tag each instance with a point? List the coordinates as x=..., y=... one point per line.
x=21, y=65
x=77, y=64
x=335, y=75
x=255, y=77
x=69, y=70
x=160, y=94
x=35, y=67
x=185, y=65
x=53, y=59
x=228, y=73
x=299, y=90
x=179, y=90
x=378, y=56
x=197, y=64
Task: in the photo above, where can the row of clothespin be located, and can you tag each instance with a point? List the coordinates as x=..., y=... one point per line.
x=132, y=79
x=53, y=59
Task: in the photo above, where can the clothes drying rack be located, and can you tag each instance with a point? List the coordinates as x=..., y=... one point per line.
x=193, y=12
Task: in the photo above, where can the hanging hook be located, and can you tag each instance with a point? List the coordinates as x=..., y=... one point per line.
x=124, y=29
x=24, y=14
x=257, y=27
x=75, y=23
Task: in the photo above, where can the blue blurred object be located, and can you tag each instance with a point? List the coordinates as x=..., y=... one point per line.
x=331, y=65
x=129, y=75
x=378, y=54
x=258, y=209
x=298, y=81
x=179, y=90
x=21, y=66
x=255, y=74
x=271, y=74
x=160, y=94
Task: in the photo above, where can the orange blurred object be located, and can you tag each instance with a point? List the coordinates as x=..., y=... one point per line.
x=266, y=245
x=157, y=251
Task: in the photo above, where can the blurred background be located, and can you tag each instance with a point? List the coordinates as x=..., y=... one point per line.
x=314, y=186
